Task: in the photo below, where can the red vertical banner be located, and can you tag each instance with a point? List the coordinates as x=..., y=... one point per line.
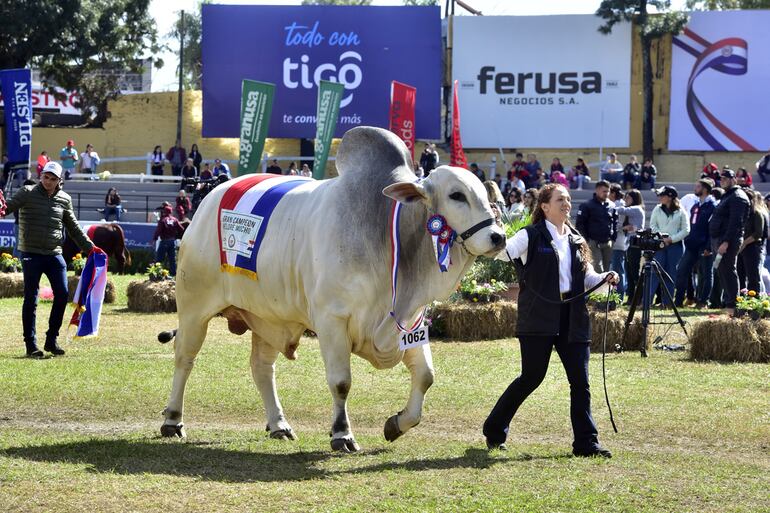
x=402, y=101
x=458, y=155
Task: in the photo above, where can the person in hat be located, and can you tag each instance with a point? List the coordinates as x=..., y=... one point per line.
x=726, y=232
x=697, y=247
x=168, y=231
x=69, y=157
x=670, y=218
x=44, y=212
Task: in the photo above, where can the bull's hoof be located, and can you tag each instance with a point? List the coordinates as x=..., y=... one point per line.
x=346, y=445
x=172, y=431
x=392, y=431
x=283, y=434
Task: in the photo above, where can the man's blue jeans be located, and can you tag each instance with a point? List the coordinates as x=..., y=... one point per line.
x=619, y=266
x=35, y=266
x=167, y=248
x=694, y=260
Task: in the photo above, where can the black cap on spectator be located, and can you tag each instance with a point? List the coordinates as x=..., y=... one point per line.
x=727, y=173
x=667, y=190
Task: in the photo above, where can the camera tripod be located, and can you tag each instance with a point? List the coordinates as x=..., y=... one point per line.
x=643, y=296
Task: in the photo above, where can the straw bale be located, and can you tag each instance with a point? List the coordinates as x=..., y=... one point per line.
x=152, y=296
x=731, y=340
x=474, y=321
x=109, y=291
x=616, y=322
x=11, y=285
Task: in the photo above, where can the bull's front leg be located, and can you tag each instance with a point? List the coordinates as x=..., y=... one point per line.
x=420, y=364
x=335, y=350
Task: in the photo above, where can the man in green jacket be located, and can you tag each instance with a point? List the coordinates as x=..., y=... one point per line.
x=44, y=211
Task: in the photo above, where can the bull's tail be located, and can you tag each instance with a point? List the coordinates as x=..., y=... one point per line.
x=166, y=336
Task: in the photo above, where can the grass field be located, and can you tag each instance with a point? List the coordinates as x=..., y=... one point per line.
x=80, y=433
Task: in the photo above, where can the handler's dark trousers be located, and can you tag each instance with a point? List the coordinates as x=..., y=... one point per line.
x=34, y=266
x=749, y=264
x=167, y=249
x=535, y=355
x=728, y=273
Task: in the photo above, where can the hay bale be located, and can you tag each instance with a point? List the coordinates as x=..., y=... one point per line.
x=474, y=321
x=152, y=296
x=11, y=285
x=109, y=291
x=616, y=322
x=731, y=340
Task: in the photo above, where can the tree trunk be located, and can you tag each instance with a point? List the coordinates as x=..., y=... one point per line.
x=647, y=88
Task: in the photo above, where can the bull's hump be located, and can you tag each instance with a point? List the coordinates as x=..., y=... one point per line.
x=370, y=150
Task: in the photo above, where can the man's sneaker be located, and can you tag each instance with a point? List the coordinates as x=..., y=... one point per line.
x=491, y=446
x=35, y=353
x=594, y=452
x=54, y=349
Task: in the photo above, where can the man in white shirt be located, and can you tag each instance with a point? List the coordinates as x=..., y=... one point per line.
x=612, y=170
x=89, y=160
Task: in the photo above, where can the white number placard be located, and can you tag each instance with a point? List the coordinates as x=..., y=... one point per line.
x=410, y=339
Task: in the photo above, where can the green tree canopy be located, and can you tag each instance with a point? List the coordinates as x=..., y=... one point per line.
x=720, y=5
x=72, y=42
x=336, y=2
x=193, y=60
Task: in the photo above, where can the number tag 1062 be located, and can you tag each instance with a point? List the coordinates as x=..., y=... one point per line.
x=410, y=339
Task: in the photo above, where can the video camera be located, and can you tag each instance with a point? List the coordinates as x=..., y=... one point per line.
x=647, y=240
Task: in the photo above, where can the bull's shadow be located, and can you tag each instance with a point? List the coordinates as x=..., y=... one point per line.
x=205, y=461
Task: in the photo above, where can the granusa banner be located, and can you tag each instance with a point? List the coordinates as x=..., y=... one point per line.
x=17, y=94
x=256, y=104
x=329, y=99
x=295, y=47
x=719, y=83
x=542, y=81
x=402, y=102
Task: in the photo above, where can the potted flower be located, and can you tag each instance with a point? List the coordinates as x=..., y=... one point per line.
x=78, y=263
x=756, y=306
x=9, y=263
x=599, y=301
x=486, y=292
x=156, y=272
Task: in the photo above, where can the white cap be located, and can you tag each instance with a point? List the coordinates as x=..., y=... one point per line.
x=54, y=168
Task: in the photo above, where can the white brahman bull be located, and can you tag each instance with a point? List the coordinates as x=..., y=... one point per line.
x=325, y=265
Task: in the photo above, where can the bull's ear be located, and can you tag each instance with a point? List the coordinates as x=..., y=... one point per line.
x=406, y=192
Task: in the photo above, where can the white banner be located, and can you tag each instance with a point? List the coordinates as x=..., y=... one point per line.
x=542, y=81
x=719, y=83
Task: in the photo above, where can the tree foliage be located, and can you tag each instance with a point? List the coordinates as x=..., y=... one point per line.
x=336, y=2
x=420, y=2
x=721, y=5
x=72, y=42
x=193, y=60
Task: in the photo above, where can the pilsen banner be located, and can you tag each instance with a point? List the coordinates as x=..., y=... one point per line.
x=458, y=155
x=402, y=103
x=17, y=93
x=329, y=98
x=256, y=106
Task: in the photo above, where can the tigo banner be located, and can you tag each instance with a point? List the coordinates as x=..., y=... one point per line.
x=295, y=47
x=542, y=81
x=402, y=103
x=256, y=105
x=719, y=83
x=329, y=97
x=17, y=95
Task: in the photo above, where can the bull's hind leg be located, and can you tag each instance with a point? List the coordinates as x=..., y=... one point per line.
x=335, y=350
x=189, y=339
x=263, y=358
x=420, y=364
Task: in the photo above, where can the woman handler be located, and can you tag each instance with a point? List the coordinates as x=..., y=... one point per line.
x=561, y=270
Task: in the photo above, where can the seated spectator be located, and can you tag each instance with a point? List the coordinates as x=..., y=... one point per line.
x=744, y=177
x=206, y=173
x=183, y=205
x=306, y=171
x=112, y=206
x=518, y=183
x=611, y=171
x=579, y=175
x=538, y=179
x=555, y=166
x=293, y=169
x=532, y=167
x=631, y=173
x=518, y=169
x=515, y=207
x=220, y=168
x=188, y=170
x=647, y=175
x=560, y=178
x=42, y=160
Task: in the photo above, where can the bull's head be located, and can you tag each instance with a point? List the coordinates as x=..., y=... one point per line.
x=460, y=197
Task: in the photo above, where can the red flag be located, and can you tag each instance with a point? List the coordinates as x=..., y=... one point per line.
x=402, y=100
x=458, y=155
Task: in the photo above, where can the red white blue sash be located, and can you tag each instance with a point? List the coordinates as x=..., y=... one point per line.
x=243, y=216
x=89, y=295
x=395, y=243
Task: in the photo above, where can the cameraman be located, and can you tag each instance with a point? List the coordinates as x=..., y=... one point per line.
x=596, y=222
x=726, y=232
x=697, y=247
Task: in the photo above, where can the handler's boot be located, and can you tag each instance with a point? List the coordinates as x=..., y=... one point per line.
x=53, y=348
x=34, y=352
